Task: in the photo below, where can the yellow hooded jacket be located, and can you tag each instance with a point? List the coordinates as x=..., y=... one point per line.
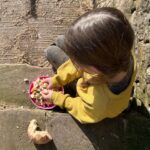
x=93, y=103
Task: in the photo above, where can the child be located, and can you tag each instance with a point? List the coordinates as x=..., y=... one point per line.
x=99, y=46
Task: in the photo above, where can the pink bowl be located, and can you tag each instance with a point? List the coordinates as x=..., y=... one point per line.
x=46, y=106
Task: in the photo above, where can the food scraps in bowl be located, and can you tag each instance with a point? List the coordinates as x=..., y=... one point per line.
x=38, y=87
x=35, y=89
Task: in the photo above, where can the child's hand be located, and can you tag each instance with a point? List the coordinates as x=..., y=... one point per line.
x=47, y=94
x=49, y=81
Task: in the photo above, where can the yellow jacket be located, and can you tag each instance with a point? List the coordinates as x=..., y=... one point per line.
x=93, y=103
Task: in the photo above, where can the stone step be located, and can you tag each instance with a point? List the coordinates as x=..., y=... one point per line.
x=127, y=132
x=13, y=89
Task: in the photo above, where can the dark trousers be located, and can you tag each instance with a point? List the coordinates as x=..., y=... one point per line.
x=56, y=57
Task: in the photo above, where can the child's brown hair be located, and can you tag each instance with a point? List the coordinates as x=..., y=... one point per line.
x=102, y=38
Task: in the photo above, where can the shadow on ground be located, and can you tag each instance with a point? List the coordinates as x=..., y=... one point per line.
x=130, y=130
x=48, y=146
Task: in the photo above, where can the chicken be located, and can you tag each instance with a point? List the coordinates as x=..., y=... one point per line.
x=38, y=137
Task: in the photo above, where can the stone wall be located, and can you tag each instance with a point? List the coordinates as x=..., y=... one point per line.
x=138, y=12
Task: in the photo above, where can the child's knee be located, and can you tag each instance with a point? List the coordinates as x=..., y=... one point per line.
x=60, y=41
x=49, y=51
x=45, y=52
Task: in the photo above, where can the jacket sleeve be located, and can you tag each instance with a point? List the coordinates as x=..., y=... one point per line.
x=66, y=73
x=78, y=108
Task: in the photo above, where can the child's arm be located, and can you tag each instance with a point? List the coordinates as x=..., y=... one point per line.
x=82, y=111
x=66, y=73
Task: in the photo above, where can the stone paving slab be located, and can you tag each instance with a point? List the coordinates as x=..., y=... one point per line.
x=13, y=128
x=13, y=89
x=66, y=133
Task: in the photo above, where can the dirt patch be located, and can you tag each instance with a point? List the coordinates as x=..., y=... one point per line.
x=28, y=27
